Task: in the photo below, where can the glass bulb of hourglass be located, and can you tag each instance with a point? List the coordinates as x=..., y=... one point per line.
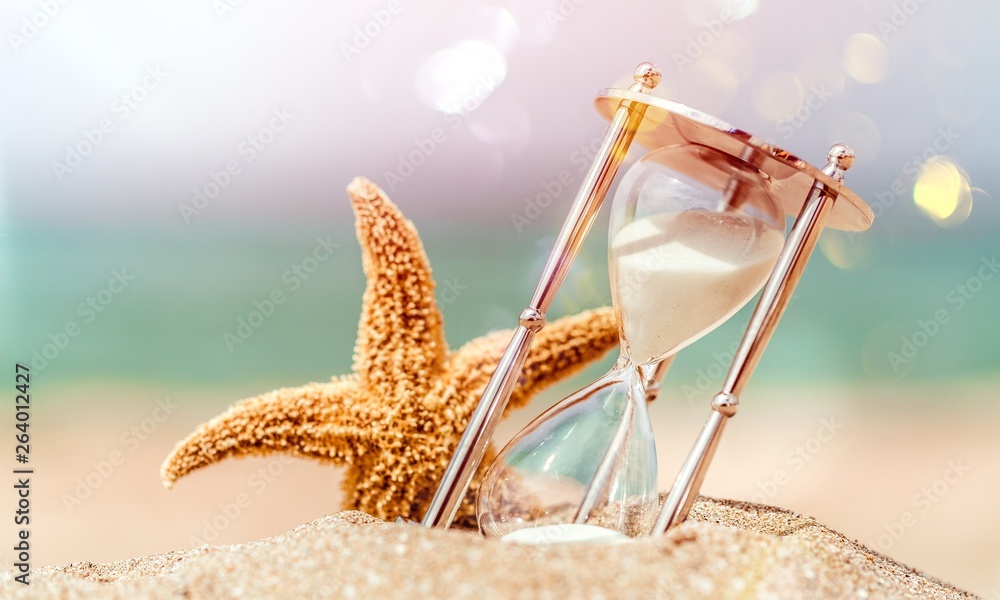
x=542, y=476
x=688, y=250
x=694, y=234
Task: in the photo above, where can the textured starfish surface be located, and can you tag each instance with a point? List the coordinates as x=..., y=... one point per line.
x=397, y=419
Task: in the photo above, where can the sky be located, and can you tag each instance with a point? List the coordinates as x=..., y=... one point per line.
x=115, y=111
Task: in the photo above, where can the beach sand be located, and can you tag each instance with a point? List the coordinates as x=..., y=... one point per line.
x=867, y=456
x=727, y=550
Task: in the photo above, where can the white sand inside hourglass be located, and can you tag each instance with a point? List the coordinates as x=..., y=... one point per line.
x=678, y=275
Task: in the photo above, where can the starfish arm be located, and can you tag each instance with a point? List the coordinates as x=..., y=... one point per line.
x=401, y=336
x=559, y=350
x=319, y=420
x=563, y=348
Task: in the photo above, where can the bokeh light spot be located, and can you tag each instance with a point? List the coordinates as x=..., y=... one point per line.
x=532, y=18
x=858, y=131
x=698, y=11
x=460, y=78
x=502, y=122
x=942, y=192
x=865, y=58
x=951, y=44
x=885, y=354
x=496, y=27
x=737, y=54
x=712, y=83
x=821, y=67
x=847, y=250
x=742, y=8
x=780, y=95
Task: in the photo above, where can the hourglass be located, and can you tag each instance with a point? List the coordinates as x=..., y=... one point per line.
x=694, y=233
x=696, y=230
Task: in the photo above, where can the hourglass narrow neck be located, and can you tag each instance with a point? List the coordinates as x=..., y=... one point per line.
x=653, y=374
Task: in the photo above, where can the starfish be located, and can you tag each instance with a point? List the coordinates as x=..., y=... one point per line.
x=395, y=421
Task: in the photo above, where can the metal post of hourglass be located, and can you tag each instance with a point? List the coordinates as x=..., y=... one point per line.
x=777, y=292
x=473, y=444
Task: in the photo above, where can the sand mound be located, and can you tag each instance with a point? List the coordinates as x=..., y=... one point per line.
x=727, y=550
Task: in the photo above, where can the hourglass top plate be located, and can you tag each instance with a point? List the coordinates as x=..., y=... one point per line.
x=667, y=123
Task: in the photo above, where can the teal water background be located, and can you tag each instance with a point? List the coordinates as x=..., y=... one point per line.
x=191, y=286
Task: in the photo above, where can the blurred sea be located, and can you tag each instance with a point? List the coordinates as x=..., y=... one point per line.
x=190, y=287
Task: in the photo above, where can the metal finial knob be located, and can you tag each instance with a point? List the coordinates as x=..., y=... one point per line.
x=647, y=75
x=841, y=156
x=726, y=403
